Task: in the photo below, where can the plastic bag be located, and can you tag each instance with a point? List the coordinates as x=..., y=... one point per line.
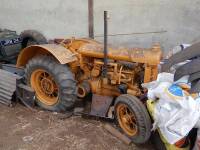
x=176, y=112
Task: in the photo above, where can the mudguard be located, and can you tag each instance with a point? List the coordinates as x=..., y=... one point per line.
x=187, y=69
x=62, y=54
x=188, y=53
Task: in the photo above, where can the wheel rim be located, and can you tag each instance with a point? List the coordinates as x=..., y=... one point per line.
x=45, y=87
x=127, y=119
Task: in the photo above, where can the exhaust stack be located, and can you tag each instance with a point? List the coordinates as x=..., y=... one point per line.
x=104, y=72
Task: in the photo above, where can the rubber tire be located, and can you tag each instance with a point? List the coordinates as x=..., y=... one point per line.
x=32, y=37
x=141, y=114
x=63, y=78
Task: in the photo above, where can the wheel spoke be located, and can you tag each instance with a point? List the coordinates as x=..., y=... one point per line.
x=133, y=126
x=128, y=111
x=40, y=78
x=124, y=111
x=132, y=117
x=45, y=75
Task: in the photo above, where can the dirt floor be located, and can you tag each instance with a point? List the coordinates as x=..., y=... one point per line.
x=22, y=129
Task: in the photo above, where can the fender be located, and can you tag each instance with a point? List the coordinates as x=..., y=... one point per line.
x=62, y=54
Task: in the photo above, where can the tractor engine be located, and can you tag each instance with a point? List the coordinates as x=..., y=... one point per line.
x=122, y=77
x=126, y=69
x=118, y=72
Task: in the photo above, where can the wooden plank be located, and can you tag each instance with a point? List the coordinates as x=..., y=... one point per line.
x=117, y=134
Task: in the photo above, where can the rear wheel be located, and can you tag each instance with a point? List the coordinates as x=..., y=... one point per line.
x=53, y=83
x=133, y=118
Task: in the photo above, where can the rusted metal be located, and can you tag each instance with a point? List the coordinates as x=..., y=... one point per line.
x=100, y=105
x=85, y=57
x=11, y=82
x=91, y=19
x=13, y=69
x=148, y=56
x=127, y=119
x=7, y=87
x=62, y=54
x=83, y=89
x=43, y=81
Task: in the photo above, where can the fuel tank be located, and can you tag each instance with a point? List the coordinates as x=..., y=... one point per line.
x=150, y=56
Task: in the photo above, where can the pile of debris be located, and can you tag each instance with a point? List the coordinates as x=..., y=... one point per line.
x=174, y=101
x=189, y=58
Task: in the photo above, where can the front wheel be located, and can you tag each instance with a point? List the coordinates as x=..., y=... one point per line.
x=133, y=118
x=53, y=83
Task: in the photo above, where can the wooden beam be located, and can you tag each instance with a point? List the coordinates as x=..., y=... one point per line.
x=117, y=133
x=91, y=19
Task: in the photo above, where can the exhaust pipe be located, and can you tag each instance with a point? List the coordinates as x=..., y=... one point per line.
x=104, y=72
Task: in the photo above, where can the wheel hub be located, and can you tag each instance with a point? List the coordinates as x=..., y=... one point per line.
x=127, y=120
x=45, y=87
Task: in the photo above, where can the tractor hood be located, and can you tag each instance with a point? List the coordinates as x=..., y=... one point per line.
x=150, y=56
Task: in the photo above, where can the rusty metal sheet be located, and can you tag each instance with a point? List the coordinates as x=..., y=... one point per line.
x=7, y=86
x=187, y=69
x=62, y=54
x=150, y=56
x=100, y=105
x=188, y=53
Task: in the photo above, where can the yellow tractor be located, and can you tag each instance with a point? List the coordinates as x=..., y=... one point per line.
x=76, y=67
x=71, y=68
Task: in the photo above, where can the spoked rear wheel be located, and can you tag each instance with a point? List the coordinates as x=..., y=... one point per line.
x=45, y=87
x=53, y=83
x=133, y=118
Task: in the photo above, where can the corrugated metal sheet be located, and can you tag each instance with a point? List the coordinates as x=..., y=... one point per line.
x=7, y=86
